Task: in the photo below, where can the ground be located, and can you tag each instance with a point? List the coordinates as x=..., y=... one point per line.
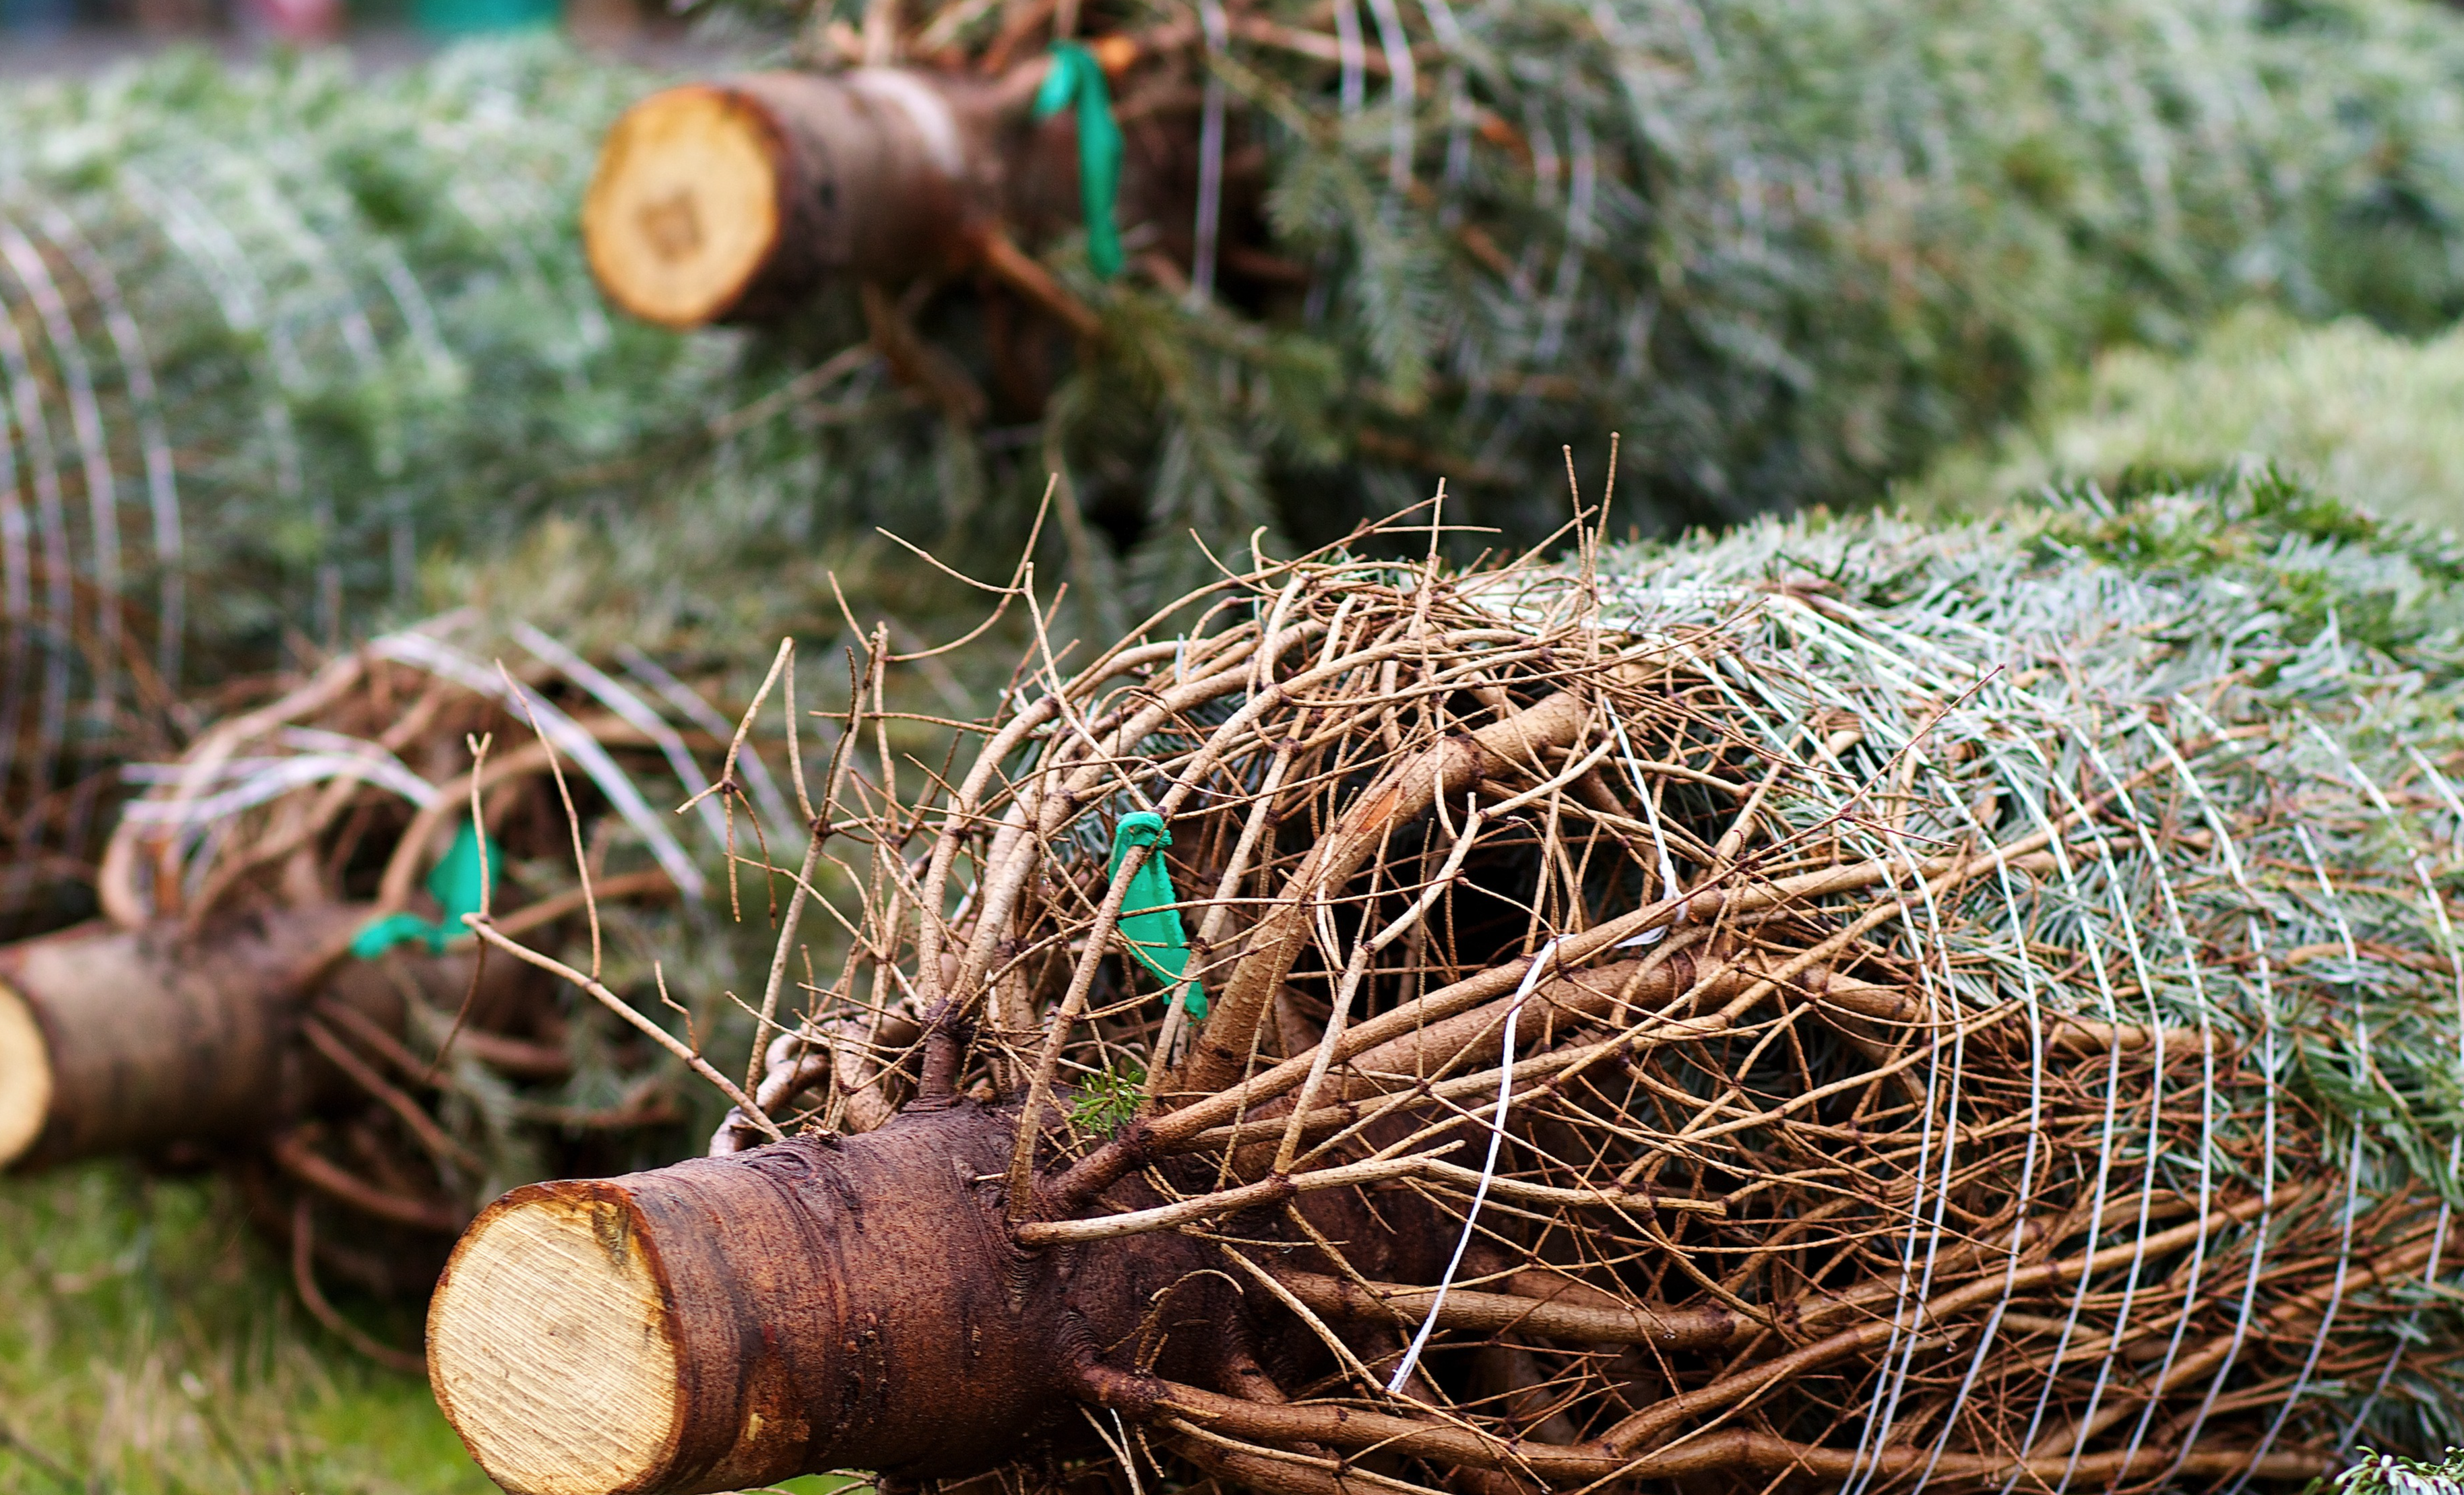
x=149, y=1343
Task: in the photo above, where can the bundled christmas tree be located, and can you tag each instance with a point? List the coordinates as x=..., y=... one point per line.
x=283, y=986
x=272, y=340
x=274, y=332
x=1284, y=264
x=278, y=342
x=1840, y=1001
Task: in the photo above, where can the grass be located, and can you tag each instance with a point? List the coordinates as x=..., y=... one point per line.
x=149, y=1342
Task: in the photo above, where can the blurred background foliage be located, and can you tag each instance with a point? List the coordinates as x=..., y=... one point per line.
x=1791, y=252
x=2361, y=413
x=285, y=330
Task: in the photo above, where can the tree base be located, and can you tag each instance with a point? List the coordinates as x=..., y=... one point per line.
x=684, y=209
x=817, y=1304
x=712, y=202
x=115, y=1039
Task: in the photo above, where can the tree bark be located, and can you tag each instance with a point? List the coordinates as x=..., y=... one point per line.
x=118, y=1040
x=862, y=1302
x=816, y=1303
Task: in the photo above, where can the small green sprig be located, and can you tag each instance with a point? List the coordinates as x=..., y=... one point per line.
x=1107, y=1099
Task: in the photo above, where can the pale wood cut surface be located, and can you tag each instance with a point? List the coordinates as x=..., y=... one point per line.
x=683, y=209
x=25, y=1077
x=551, y=1352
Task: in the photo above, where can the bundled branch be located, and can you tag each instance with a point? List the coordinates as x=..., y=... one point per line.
x=284, y=984
x=287, y=357
x=1835, y=1003
x=1791, y=252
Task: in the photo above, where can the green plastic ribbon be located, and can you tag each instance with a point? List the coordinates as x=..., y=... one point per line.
x=458, y=881
x=1077, y=77
x=1150, y=924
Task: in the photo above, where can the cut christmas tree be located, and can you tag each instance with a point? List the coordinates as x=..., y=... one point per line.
x=283, y=985
x=1838, y=1002
x=285, y=348
x=1249, y=262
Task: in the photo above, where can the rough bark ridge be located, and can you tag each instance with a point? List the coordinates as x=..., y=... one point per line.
x=1676, y=1026
x=825, y=1304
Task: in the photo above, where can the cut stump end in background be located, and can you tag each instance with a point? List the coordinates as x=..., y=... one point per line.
x=734, y=201
x=550, y=1345
x=25, y=1077
x=115, y=1039
x=682, y=212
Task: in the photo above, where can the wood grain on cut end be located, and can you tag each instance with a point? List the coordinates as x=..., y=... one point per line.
x=682, y=210
x=25, y=1077
x=551, y=1352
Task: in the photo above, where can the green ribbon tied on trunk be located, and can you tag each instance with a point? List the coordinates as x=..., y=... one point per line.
x=460, y=882
x=1150, y=925
x=1078, y=78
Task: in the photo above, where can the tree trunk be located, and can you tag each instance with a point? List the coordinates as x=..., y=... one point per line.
x=627, y=1335
x=826, y=1303
x=115, y=1039
x=831, y=1303
x=733, y=201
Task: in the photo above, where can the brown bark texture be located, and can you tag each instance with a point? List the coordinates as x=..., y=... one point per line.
x=920, y=1340
x=158, y=1036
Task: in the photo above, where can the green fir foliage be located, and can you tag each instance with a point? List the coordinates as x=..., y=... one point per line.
x=1789, y=253
x=282, y=332
x=1105, y=1100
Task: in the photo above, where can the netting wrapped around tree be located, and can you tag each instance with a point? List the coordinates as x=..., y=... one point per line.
x=272, y=334
x=282, y=341
x=1834, y=1005
x=276, y=343
x=282, y=985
